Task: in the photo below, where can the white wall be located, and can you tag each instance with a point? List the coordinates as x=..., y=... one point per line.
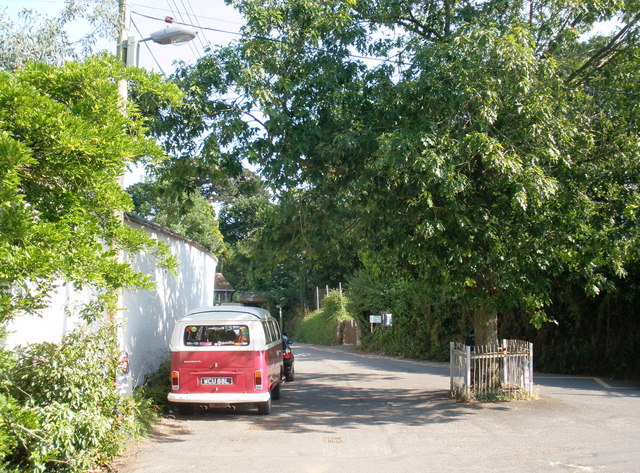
x=56, y=321
x=148, y=317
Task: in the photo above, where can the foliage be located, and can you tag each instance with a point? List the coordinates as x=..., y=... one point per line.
x=422, y=327
x=592, y=333
x=63, y=144
x=191, y=216
x=46, y=40
x=491, y=156
x=488, y=153
x=60, y=408
x=155, y=388
x=198, y=143
x=321, y=326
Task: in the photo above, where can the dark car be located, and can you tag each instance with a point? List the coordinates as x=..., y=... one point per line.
x=287, y=358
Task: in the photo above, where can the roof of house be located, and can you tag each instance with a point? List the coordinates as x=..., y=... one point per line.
x=222, y=284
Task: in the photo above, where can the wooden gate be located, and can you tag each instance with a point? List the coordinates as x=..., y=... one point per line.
x=347, y=332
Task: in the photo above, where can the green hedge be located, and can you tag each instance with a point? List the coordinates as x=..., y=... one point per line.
x=422, y=327
x=592, y=335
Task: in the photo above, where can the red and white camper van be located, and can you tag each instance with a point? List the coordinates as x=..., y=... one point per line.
x=225, y=355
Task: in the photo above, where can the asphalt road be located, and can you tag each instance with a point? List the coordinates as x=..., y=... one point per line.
x=349, y=412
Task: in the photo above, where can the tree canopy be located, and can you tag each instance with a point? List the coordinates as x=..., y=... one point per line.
x=483, y=147
x=34, y=37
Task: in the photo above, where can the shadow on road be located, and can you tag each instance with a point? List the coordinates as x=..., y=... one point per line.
x=370, y=390
x=373, y=394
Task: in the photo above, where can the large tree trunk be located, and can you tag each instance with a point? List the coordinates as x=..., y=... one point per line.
x=485, y=325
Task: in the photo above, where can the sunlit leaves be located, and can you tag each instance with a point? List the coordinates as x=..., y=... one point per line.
x=64, y=142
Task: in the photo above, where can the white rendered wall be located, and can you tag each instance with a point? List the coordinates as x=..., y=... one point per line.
x=151, y=315
x=148, y=316
x=55, y=321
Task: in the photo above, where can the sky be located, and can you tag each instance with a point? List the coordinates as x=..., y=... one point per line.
x=215, y=21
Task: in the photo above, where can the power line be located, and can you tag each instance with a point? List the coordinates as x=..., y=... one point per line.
x=148, y=48
x=178, y=14
x=206, y=28
x=236, y=33
x=202, y=17
x=197, y=22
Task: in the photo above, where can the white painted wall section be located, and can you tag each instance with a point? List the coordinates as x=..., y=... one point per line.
x=148, y=316
x=151, y=315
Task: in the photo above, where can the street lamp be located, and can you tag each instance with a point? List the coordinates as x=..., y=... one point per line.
x=127, y=45
x=173, y=34
x=128, y=48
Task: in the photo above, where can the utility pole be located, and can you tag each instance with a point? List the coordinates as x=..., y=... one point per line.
x=124, y=381
x=124, y=19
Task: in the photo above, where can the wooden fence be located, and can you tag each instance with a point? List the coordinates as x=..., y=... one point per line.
x=348, y=333
x=506, y=368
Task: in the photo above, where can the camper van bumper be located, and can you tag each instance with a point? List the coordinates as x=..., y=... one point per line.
x=219, y=398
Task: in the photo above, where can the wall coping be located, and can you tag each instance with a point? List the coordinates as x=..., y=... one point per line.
x=167, y=231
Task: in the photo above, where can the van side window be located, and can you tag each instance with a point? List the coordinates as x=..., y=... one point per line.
x=268, y=336
x=216, y=335
x=276, y=330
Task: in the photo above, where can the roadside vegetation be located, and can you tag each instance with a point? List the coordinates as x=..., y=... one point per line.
x=466, y=166
x=321, y=326
x=64, y=142
x=59, y=407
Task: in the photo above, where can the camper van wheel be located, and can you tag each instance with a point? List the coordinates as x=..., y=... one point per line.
x=275, y=393
x=264, y=408
x=185, y=409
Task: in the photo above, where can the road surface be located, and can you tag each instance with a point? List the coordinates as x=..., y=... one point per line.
x=349, y=412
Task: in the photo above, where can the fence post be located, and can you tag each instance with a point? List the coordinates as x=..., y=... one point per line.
x=506, y=374
x=467, y=376
x=451, y=362
x=530, y=387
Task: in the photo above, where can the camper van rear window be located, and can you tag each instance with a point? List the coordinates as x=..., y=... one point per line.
x=216, y=335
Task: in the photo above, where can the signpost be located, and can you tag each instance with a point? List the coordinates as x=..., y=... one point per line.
x=386, y=320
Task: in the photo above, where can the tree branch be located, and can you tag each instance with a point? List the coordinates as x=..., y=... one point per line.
x=413, y=24
x=611, y=48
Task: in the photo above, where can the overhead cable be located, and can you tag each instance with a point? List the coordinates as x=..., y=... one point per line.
x=265, y=38
x=148, y=49
x=178, y=14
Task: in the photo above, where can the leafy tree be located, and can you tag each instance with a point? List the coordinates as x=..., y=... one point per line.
x=33, y=37
x=63, y=144
x=197, y=142
x=491, y=152
x=191, y=216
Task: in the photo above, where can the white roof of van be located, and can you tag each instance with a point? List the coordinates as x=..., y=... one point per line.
x=227, y=312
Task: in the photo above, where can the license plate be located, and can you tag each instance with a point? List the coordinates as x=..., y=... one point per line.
x=215, y=381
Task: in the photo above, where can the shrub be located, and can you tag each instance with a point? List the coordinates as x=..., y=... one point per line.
x=59, y=406
x=151, y=397
x=423, y=323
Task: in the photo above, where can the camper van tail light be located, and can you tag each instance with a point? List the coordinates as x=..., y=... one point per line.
x=175, y=380
x=258, y=379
